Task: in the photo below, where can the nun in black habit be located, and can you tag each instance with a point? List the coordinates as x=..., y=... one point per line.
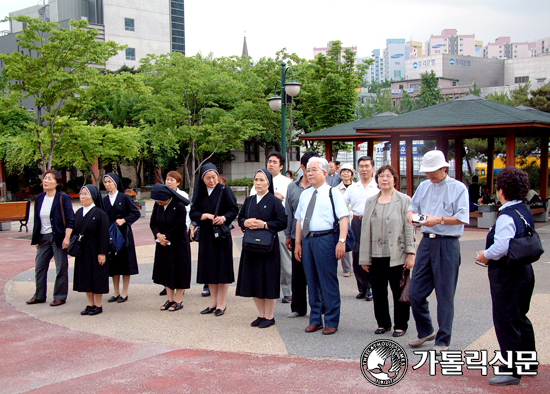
x=215, y=262
x=91, y=271
x=172, y=266
x=259, y=273
x=120, y=209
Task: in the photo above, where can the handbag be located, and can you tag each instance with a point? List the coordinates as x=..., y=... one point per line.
x=404, y=285
x=350, y=239
x=222, y=230
x=75, y=245
x=116, y=239
x=258, y=241
x=527, y=249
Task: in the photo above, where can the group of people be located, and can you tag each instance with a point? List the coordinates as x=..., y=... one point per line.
x=302, y=227
x=56, y=226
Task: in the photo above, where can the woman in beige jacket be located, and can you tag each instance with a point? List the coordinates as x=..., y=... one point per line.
x=387, y=247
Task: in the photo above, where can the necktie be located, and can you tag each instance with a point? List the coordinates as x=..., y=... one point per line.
x=309, y=212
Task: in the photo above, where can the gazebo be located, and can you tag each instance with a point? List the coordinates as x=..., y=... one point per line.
x=467, y=117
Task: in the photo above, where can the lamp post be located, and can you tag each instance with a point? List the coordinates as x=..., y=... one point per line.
x=291, y=89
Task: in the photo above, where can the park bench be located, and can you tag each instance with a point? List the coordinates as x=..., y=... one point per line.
x=13, y=211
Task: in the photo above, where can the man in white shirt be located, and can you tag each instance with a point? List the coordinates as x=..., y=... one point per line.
x=319, y=247
x=356, y=196
x=275, y=164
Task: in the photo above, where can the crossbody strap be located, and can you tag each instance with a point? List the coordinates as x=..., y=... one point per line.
x=218, y=202
x=336, y=221
x=86, y=221
x=528, y=228
x=62, y=209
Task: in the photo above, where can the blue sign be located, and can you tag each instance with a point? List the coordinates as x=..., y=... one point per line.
x=396, y=56
x=437, y=46
x=415, y=65
x=452, y=61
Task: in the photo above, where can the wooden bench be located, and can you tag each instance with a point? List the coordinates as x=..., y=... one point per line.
x=13, y=211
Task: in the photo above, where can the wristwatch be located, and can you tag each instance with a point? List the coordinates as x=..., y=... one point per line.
x=442, y=220
x=343, y=240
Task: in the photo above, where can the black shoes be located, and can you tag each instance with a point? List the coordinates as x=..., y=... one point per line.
x=266, y=323
x=287, y=300
x=382, y=330
x=219, y=312
x=368, y=295
x=397, y=334
x=360, y=296
x=87, y=310
x=208, y=311
x=163, y=292
x=167, y=305
x=35, y=301
x=113, y=298
x=96, y=310
x=122, y=299
x=257, y=322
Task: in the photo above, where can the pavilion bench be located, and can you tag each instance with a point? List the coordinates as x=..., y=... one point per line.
x=16, y=211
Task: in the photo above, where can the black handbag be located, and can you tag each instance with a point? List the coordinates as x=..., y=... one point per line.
x=75, y=245
x=350, y=239
x=258, y=241
x=222, y=230
x=527, y=249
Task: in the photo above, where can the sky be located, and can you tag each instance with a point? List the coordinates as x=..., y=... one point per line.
x=219, y=26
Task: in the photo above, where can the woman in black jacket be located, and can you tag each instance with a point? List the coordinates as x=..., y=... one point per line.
x=259, y=272
x=120, y=209
x=53, y=226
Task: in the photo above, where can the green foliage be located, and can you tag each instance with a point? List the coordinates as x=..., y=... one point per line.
x=241, y=182
x=540, y=98
x=429, y=90
x=475, y=90
x=55, y=77
x=407, y=103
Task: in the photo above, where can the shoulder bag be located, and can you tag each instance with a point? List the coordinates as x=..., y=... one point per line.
x=527, y=249
x=222, y=230
x=116, y=239
x=75, y=245
x=350, y=239
x=257, y=240
x=404, y=285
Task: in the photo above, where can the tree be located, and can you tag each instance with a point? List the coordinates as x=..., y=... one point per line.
x=194, y=104
x=407, y=103
x=328, y=96
x=54, y=75
x=475, y=90
x=429, y=90
x=540, y=98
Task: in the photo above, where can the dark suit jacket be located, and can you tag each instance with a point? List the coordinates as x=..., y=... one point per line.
x=58, y=228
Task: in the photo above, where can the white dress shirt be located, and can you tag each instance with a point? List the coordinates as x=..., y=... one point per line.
x=356, y=196
x=322, y=218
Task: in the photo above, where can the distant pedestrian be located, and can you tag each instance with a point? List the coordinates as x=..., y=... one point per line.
x=333, y=178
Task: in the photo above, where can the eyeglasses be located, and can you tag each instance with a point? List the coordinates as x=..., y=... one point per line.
x=385, y=176
x=313, y=170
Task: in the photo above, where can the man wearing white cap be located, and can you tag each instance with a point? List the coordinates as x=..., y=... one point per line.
x=444, y=203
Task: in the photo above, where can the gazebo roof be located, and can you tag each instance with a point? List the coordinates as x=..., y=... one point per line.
x=348, y=131
x=479, y=115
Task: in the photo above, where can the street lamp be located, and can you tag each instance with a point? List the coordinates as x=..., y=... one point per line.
x=290, y=88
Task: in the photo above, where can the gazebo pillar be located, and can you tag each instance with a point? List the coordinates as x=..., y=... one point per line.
x=409, y=160
x=544, y=166
x=443, y=145
x=395, y=156
x=328, y=150
x=490, y=162
x=510, y=149
x=370, y=148
x=458, y=159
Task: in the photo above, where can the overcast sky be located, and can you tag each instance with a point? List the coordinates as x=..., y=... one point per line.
x=218, y=26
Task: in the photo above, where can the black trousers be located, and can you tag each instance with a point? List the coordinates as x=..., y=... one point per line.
x=361, y=276
x=380, y=274
x=299, y=285
x=511, y=290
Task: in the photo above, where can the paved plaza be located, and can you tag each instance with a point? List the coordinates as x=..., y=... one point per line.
x=133, y=347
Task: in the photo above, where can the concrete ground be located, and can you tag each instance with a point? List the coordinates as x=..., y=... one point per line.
x=135, y=348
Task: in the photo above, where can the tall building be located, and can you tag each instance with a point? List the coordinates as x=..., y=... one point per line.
x=395, y=54
x=503, y=48
x=145, y=26
x=543, y=45
x=416, y=49
x=449, y=41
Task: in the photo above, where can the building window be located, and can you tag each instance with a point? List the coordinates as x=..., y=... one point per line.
x=130, y=53
x=129, y=24
x=178, y=26
x=251, y=151
x=521, y=79
x=294, y=152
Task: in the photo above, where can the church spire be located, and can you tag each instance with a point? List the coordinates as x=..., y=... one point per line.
x=245, y=47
